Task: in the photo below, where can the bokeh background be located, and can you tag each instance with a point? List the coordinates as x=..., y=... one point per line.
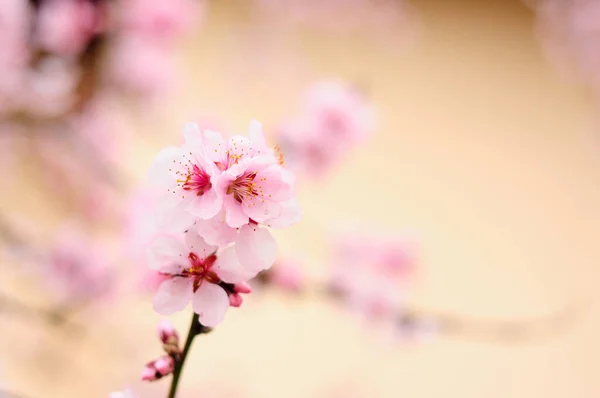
x=486, y=148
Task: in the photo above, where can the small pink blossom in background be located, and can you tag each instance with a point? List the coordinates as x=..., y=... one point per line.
x=49, y=88
x=570, y=33
x=65, y=27
x=373, y=272
x=287, y=275
x=76, y=268
x=141, y=67
x=196, y=270
x=100, y=126
x=333, y=119
x=160, y=20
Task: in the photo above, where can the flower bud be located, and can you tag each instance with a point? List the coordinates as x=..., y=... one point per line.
x=235, y=300
x=167, y=333
x=158, y=368
x=164, y=365
x=149, y=373
x=243, y=288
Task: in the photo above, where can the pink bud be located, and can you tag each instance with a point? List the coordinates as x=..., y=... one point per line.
x=235, y=300
x=149, y=373
x=243, y=288
x=164, y=365
x=167, y=333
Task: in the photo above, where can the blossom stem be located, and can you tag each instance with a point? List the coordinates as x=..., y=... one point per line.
x=510, y=331
x=196, y=328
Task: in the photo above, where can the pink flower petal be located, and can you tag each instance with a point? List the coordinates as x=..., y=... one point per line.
x=163, y=251
x=171, y=214
x=216, y=231
x=192, y=135
x=229, y=269
x=159, y=174
x=255, y=248
x=173, y=295
x=261, y=209
x=205, y=206
x=291, y=214
x=214, y=145
x=210, y=302
x=234, y=216
x=195, y=244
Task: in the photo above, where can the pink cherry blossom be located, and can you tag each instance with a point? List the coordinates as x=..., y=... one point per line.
x=196, y=271
x=333, y=119
x=254, y=188
x=141, y=67
x=184, y=178
x=372, y=272
x=65, y=27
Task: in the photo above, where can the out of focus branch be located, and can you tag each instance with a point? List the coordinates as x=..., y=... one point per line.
x=412, y=319
x=54, y=318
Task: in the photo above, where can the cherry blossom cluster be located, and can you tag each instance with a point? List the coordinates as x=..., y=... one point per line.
x=51, y=62
x=333, y=119
x=216, y=200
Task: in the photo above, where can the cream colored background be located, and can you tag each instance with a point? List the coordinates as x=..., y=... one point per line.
x=481, y=149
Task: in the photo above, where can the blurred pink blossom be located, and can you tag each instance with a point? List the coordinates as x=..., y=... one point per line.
x=373, y=272
x=333, y=119
x=287, y=275
x=65, y=27
x=50, y=86
x=142, y=67
x=77, y=268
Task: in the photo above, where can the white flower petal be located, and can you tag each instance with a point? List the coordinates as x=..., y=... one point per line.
x=210, y=302
x=255, y=248
x=173, y=295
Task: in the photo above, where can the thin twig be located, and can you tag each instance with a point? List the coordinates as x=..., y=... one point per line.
x=196, y=328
